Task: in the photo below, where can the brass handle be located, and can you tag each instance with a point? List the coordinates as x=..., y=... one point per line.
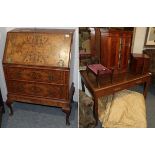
x=138, y=82
x=35, y=75
x=117, y=89
x=35, y=89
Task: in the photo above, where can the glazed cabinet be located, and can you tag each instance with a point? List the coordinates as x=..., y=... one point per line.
x=115, y=49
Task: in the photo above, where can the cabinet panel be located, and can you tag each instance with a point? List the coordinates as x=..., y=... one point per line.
x=125, y=51
x=109, y=51
x=37, y=89
x=115, y=49
x=18, y=46
x=37, y=75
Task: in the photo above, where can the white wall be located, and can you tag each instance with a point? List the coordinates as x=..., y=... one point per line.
x=138, y=39
x=80, y=86
x=75, y=63
x=2, y=46
x=75, y=58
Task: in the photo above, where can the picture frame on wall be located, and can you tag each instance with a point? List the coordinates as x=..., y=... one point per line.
x=150, y=37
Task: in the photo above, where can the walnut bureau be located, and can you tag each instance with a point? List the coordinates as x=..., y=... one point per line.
x=37, y=65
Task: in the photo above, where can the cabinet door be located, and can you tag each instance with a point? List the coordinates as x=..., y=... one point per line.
x=110, y=51
x=125, y=51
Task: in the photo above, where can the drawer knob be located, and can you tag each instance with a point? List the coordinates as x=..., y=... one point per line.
x=117, y=89
x=35, y=75
x=138, y=82
x=35, y=90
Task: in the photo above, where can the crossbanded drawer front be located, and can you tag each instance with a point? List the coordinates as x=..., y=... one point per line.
x=38, y=75
x=38, y=90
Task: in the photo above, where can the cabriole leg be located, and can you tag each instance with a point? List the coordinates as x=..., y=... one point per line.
x=67, y=112
x=9, y=104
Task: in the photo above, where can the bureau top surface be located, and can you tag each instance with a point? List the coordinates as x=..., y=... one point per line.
x=40, y=47
x=37, y=30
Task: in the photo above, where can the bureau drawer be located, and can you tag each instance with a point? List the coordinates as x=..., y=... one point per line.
x=38, y=90
x=38, y=75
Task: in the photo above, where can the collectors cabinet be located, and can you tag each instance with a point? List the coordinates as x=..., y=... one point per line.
x=115, y=49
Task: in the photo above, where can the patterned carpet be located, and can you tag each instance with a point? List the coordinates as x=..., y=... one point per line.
x=150, y=107
x=150, y=104
x=37, y=116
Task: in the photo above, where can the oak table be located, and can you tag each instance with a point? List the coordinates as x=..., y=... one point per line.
x=119, y=82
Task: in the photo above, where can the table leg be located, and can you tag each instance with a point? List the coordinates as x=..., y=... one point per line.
x=97, y=80
x=146, y=85
x=96, y=109
x=67, y=112
x=9, y=104
x=83, y=87
x=112, y=75
x=87, y=70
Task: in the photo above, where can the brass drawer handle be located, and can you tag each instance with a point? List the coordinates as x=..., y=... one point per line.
x=117, y=89
x=138, y=82
x=35, y=90
x=35, y=75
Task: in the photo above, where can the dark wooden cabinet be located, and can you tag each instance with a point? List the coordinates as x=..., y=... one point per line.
x=37, y=67
x=115, y=49
x=95, y=37
x=111, y=47
x=151, y=54
x=140, y=63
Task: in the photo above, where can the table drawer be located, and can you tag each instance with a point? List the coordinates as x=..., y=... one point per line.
x=38, y=75
x=127, y=85
x=38, y=90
